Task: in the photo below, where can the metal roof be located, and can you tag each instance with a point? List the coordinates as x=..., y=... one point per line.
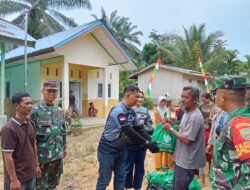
x=57, y=41
x=10, y=33
x=167, y=67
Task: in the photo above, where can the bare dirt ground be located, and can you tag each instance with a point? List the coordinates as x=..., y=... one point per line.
x=81, y=165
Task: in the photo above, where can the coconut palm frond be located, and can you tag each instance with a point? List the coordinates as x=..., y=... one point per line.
x=11, y=7
x=62, y=18
x=69, y=4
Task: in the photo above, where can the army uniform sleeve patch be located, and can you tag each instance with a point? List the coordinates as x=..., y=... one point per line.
x=241, y=136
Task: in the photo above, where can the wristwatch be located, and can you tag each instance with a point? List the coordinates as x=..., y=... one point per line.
x=171, y=129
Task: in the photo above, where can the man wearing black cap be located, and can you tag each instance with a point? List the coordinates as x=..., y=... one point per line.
x=51, y=137
x=231, y=160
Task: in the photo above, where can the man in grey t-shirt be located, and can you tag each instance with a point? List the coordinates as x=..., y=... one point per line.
x=189, y=154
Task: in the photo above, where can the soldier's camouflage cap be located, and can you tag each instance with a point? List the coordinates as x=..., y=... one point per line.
x=50, y=85
x=232, y=83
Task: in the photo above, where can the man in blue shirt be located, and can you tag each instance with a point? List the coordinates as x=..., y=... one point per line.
x=121, y=125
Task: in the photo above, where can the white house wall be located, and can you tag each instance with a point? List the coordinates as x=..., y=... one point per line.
x=96, y=76
x=167, y=81
x=86, y=51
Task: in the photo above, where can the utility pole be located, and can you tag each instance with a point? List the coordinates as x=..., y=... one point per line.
x=2, y=95
x=25, y=54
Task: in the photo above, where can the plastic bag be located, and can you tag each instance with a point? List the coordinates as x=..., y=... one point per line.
x=160, y=180
x=165, y=139
x=165, y=181
x=194, y=185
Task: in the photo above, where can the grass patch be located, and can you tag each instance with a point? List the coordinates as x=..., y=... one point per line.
x=67, y=176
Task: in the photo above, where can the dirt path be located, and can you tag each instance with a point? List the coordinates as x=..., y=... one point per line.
x=81, y=165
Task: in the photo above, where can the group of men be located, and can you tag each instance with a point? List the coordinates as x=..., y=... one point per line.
x=231, y=160
x=34, y=142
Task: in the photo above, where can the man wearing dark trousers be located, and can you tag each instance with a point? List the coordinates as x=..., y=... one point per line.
x=51, y=137
x=121, y=125
x=189, y=154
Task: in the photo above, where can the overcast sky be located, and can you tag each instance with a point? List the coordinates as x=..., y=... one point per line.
x=230, y=16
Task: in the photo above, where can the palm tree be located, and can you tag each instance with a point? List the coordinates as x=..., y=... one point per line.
x=43, y=15
x=186, y=50
x=123, y=29
x=248, y=66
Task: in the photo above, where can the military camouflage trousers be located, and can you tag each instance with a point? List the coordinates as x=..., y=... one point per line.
x=51, y=174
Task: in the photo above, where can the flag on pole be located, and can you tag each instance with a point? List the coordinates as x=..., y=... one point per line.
x=153, y=76
x=203, y=73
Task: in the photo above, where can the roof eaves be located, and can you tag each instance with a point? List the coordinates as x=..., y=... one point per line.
x=117, y=43
x=17, y=41
x=176, y=69
x=36, y=53
x=135, y=75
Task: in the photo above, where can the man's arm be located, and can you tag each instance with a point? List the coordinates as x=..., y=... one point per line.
x=38, y=170
x=10, y=167
x=142, y=132
x=134, y=135
x=8, y=142
x=64, y=137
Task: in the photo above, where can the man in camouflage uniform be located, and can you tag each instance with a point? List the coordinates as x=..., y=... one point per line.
x=51, y=137
x=231, y=160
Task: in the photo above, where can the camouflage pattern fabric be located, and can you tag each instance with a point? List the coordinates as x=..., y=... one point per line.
x=227, y=170
x=50, y=131
x=51, y=173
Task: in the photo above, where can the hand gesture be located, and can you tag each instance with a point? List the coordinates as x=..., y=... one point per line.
x=142, y=122
x=166, y=126
x=209, y=149
x=38, y=172
x=164, y=120
x=152, y=146
x=15, y=185
x=64, y=154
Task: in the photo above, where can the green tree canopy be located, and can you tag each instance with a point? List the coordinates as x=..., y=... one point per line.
x=149, y=53
x=186, y=50
x=247, y=66
x=225, y=62
x=44, y=17
x=123, y=29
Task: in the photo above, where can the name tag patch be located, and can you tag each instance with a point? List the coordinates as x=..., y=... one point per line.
x=241, y=136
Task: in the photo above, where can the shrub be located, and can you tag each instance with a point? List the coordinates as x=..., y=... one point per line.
x=148, y=103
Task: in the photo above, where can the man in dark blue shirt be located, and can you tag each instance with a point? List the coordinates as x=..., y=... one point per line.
x=121, y=125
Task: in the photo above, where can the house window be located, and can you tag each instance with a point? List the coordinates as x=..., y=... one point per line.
x=110, y=76
x=100, y=90
x=47, y=71
x=7, y=92
x=190, y=80
x=80, y=74
x=97, y=74
x=56, y=72
x=109, y=90
x=71, y=73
